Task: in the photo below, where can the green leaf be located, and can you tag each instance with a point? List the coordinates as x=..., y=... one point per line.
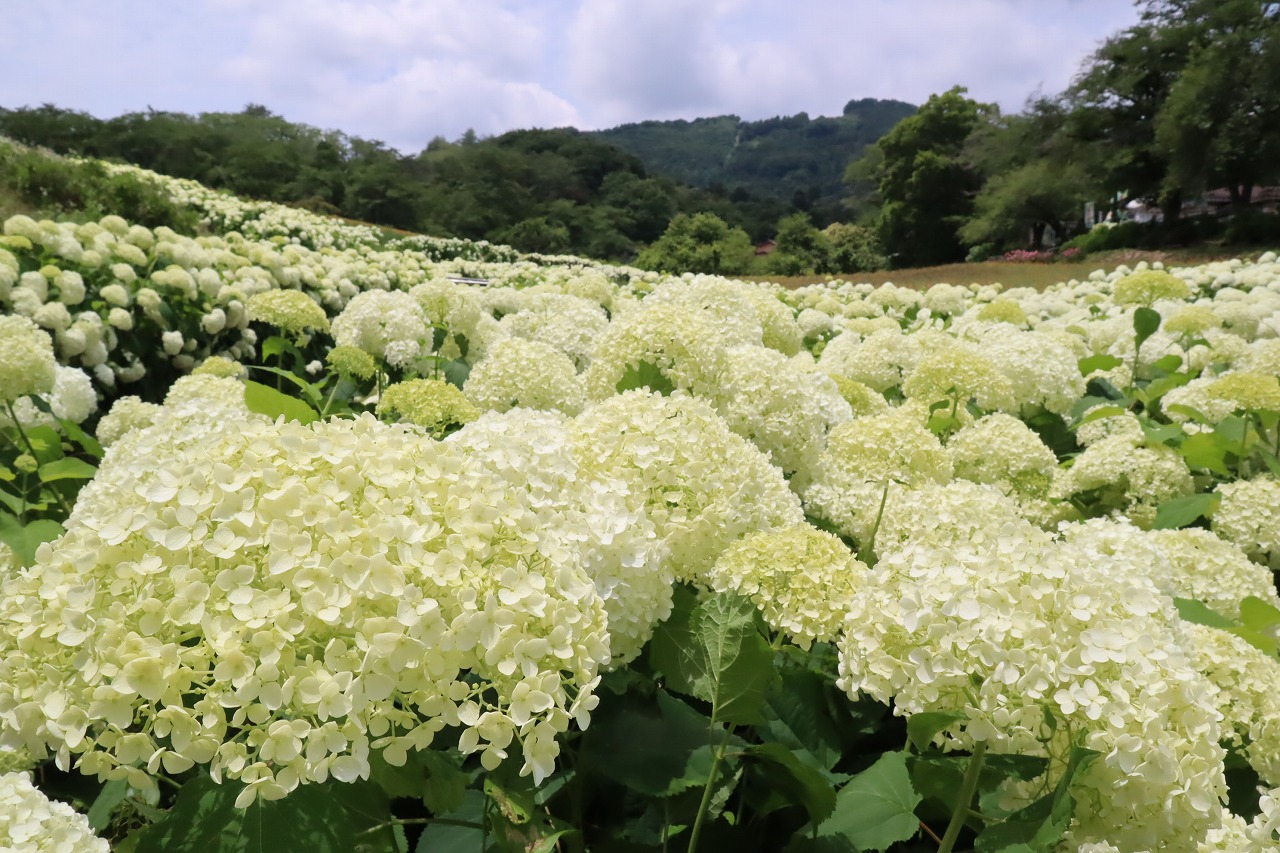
x=645, y=375
x=1039, y=827
x=25, y=539
x=798, y=716
x=1206, y=451
x=1100, y=413
x=275, y=345
x=800, y=783
x=1232, y=429
x=1103, y=389
x=457, y=372
x=658, y=748
x=46, y=443
x=940, y=777
x=719, y=656
x=314, y=817
x=1188, y=411
x=1160, y=433
x=268, y=401
x=15, y=504
x=1199, y=613
x=1261, y=640
x=1145, y=323
x=1270, y=460
x=1258, y=614
x=446, y=783
x=1102, y=361
x=921, y=728
x=1177, y=513
x=82, y=438
x=1167, y=364
x=68, y=468
x=309, y=390
x=877, y=808
x=112, y=795
x=516, y=806
x=1159, y=387
x=439, y=838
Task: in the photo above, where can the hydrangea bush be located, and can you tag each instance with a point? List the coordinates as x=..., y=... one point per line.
x=301, y=526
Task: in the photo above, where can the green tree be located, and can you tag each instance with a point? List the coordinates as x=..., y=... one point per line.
x=1187, y=98
x=702, y=243
x=926, y=186
x=854, y=248
x=802, y=249
x=1220, y=123
x=1036, y=177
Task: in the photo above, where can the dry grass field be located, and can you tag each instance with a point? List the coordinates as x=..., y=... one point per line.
x=1013, y=274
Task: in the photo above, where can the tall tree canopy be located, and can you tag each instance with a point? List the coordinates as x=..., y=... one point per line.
x=925, y=185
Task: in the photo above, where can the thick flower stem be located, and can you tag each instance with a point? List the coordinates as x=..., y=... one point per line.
x=965, y=798
x=705, y=805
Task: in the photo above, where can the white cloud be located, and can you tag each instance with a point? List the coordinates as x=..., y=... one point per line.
x=682, y=59
x=406, y=70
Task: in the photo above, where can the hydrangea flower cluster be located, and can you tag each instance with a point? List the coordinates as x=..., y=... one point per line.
x=32, y=823
x=284, y=607
x=1012, y=628
x=27, y=364
x=433, y=404
x=801, y=578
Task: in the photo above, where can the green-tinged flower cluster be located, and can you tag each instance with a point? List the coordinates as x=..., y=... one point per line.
x=352, y=362
x=1047, y=643
x=800, y=578
x=1147, y=287
x=868, y=458
x=290, y=311
x=221, y=367
x=1248, y=391
x=957, y=374
x=433, y=404
x=1003, y=311
x=701, y=485
x=27, y=364
x=1130, y=478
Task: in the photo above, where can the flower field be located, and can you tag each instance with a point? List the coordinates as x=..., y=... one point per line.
x=310, y=541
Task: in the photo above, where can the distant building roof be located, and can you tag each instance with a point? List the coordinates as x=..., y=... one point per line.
x=766, y=247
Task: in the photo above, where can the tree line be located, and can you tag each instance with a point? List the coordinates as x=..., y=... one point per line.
x=1184, y=101
x=548, y=191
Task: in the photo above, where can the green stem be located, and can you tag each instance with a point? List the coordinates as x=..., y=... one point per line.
x=324, y=412
x=965, y=798
x=13, y=416
x=868, y=554
x=705, y=805
x=415, y=821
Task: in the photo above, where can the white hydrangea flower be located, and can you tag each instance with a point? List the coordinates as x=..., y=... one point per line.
x=32, y=823
x=525, y=373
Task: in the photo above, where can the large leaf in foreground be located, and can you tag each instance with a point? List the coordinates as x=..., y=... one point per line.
x=715, y=652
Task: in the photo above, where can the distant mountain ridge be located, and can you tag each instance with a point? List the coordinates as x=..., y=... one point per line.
x=778, y=157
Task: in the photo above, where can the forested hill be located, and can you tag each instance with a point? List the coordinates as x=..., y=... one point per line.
x=777, y=157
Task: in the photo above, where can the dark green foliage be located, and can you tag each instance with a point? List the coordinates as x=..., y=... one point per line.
x=545, y=191
x=926, y=186
x=702, y=243
x=54, y=187
x=794, y=158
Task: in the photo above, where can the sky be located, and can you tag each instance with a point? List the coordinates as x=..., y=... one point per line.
x=405, y=71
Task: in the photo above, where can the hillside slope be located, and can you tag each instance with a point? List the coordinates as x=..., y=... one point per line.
x=777, y=157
